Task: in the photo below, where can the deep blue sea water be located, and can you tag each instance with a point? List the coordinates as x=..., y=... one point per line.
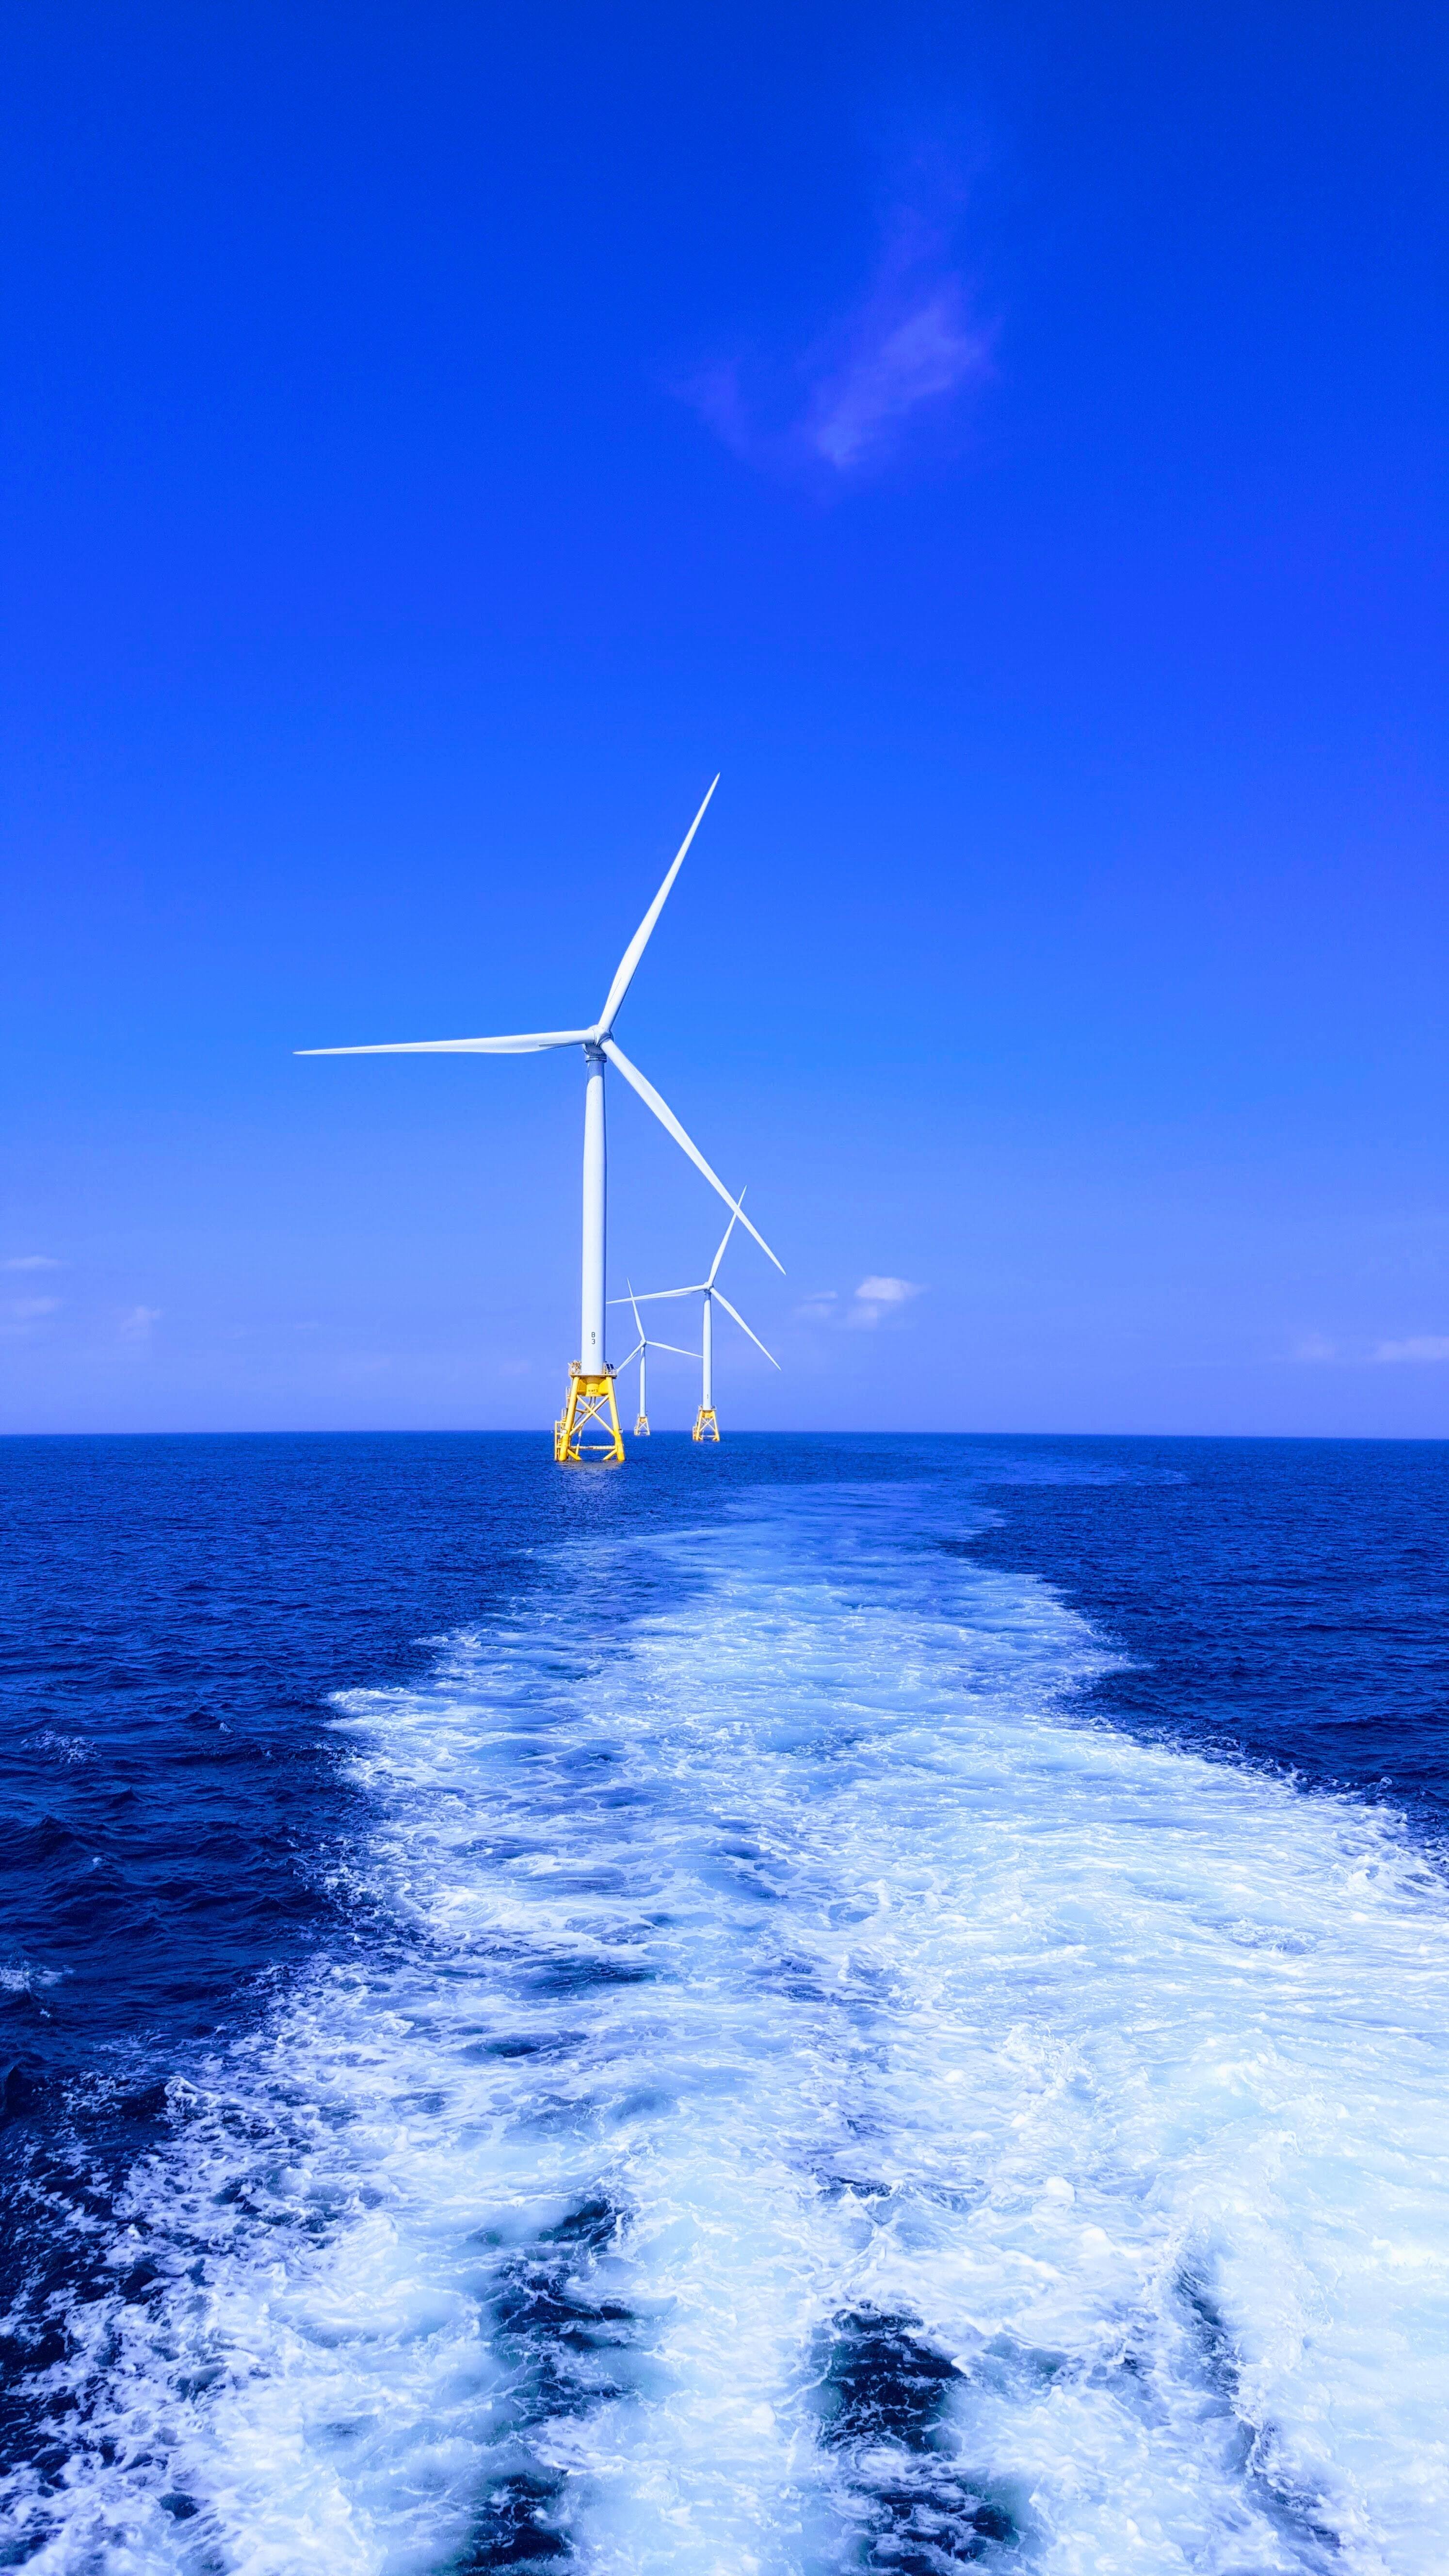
x=827, y=2004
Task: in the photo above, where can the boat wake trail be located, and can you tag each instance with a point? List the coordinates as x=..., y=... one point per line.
x=799, y=2099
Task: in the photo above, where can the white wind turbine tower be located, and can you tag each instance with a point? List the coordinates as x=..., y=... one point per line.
x=706, y=1426
x=591, y=1380
x=642, y=1348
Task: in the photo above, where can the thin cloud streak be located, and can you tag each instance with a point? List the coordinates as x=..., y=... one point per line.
x=821, y=1308
x=1416, y=1349
x=911, y=346
x=21, y=1315
x=876, y=1297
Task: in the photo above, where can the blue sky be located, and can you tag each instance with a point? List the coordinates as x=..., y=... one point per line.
x=1008, y=444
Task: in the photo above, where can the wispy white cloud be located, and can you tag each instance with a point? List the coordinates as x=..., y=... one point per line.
x=877, y=1296
x=22, y=1314
x=135, y=1324
x=1414, y=1348
x=904, y=355
x=31, y=1261
x=820, y=1308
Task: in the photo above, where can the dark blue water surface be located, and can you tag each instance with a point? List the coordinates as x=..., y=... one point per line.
x=175, y=1615
x=1288, y=1599
x=176, y=1612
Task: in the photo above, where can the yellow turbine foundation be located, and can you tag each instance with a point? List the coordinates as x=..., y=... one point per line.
x=641, y=1426
x=705, y=1425
x=591, y=1399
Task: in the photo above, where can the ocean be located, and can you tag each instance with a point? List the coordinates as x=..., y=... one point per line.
x=831, y=2004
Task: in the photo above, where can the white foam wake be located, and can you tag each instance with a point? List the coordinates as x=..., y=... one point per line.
x=819, y=2106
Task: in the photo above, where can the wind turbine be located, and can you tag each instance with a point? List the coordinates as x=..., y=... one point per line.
x=640, y=1352
x=591, y=1380
x=706, y=1426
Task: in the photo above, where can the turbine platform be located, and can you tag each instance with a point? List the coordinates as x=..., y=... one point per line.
x=591, y=1400
x=705, y=1425
x=641, y=1426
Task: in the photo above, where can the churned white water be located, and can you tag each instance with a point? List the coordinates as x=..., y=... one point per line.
x=800, y=2100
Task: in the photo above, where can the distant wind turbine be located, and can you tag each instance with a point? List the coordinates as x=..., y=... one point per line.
x=642, y=1348
x=706, y=1425
x=591, y=1380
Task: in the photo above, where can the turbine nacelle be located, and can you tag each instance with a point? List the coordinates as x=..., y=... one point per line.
x=706, y=1289
x=596, y=1042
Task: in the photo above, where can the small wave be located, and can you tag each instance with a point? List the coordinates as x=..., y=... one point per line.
x=22, y=1977
x=71, y=1750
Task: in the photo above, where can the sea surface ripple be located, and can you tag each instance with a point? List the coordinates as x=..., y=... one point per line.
x=818, y=2024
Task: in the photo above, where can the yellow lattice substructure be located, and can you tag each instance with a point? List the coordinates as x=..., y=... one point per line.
x=705, y=1425
x=591, y=1399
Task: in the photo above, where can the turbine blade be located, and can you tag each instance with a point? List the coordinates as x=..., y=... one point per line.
x=744, y=1327
x=724, y=1238
x=534, y=1044
x=666, y=1118
x=674, y=1346
x=640, y=941
x=651, y=1296
x=634, y=1302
